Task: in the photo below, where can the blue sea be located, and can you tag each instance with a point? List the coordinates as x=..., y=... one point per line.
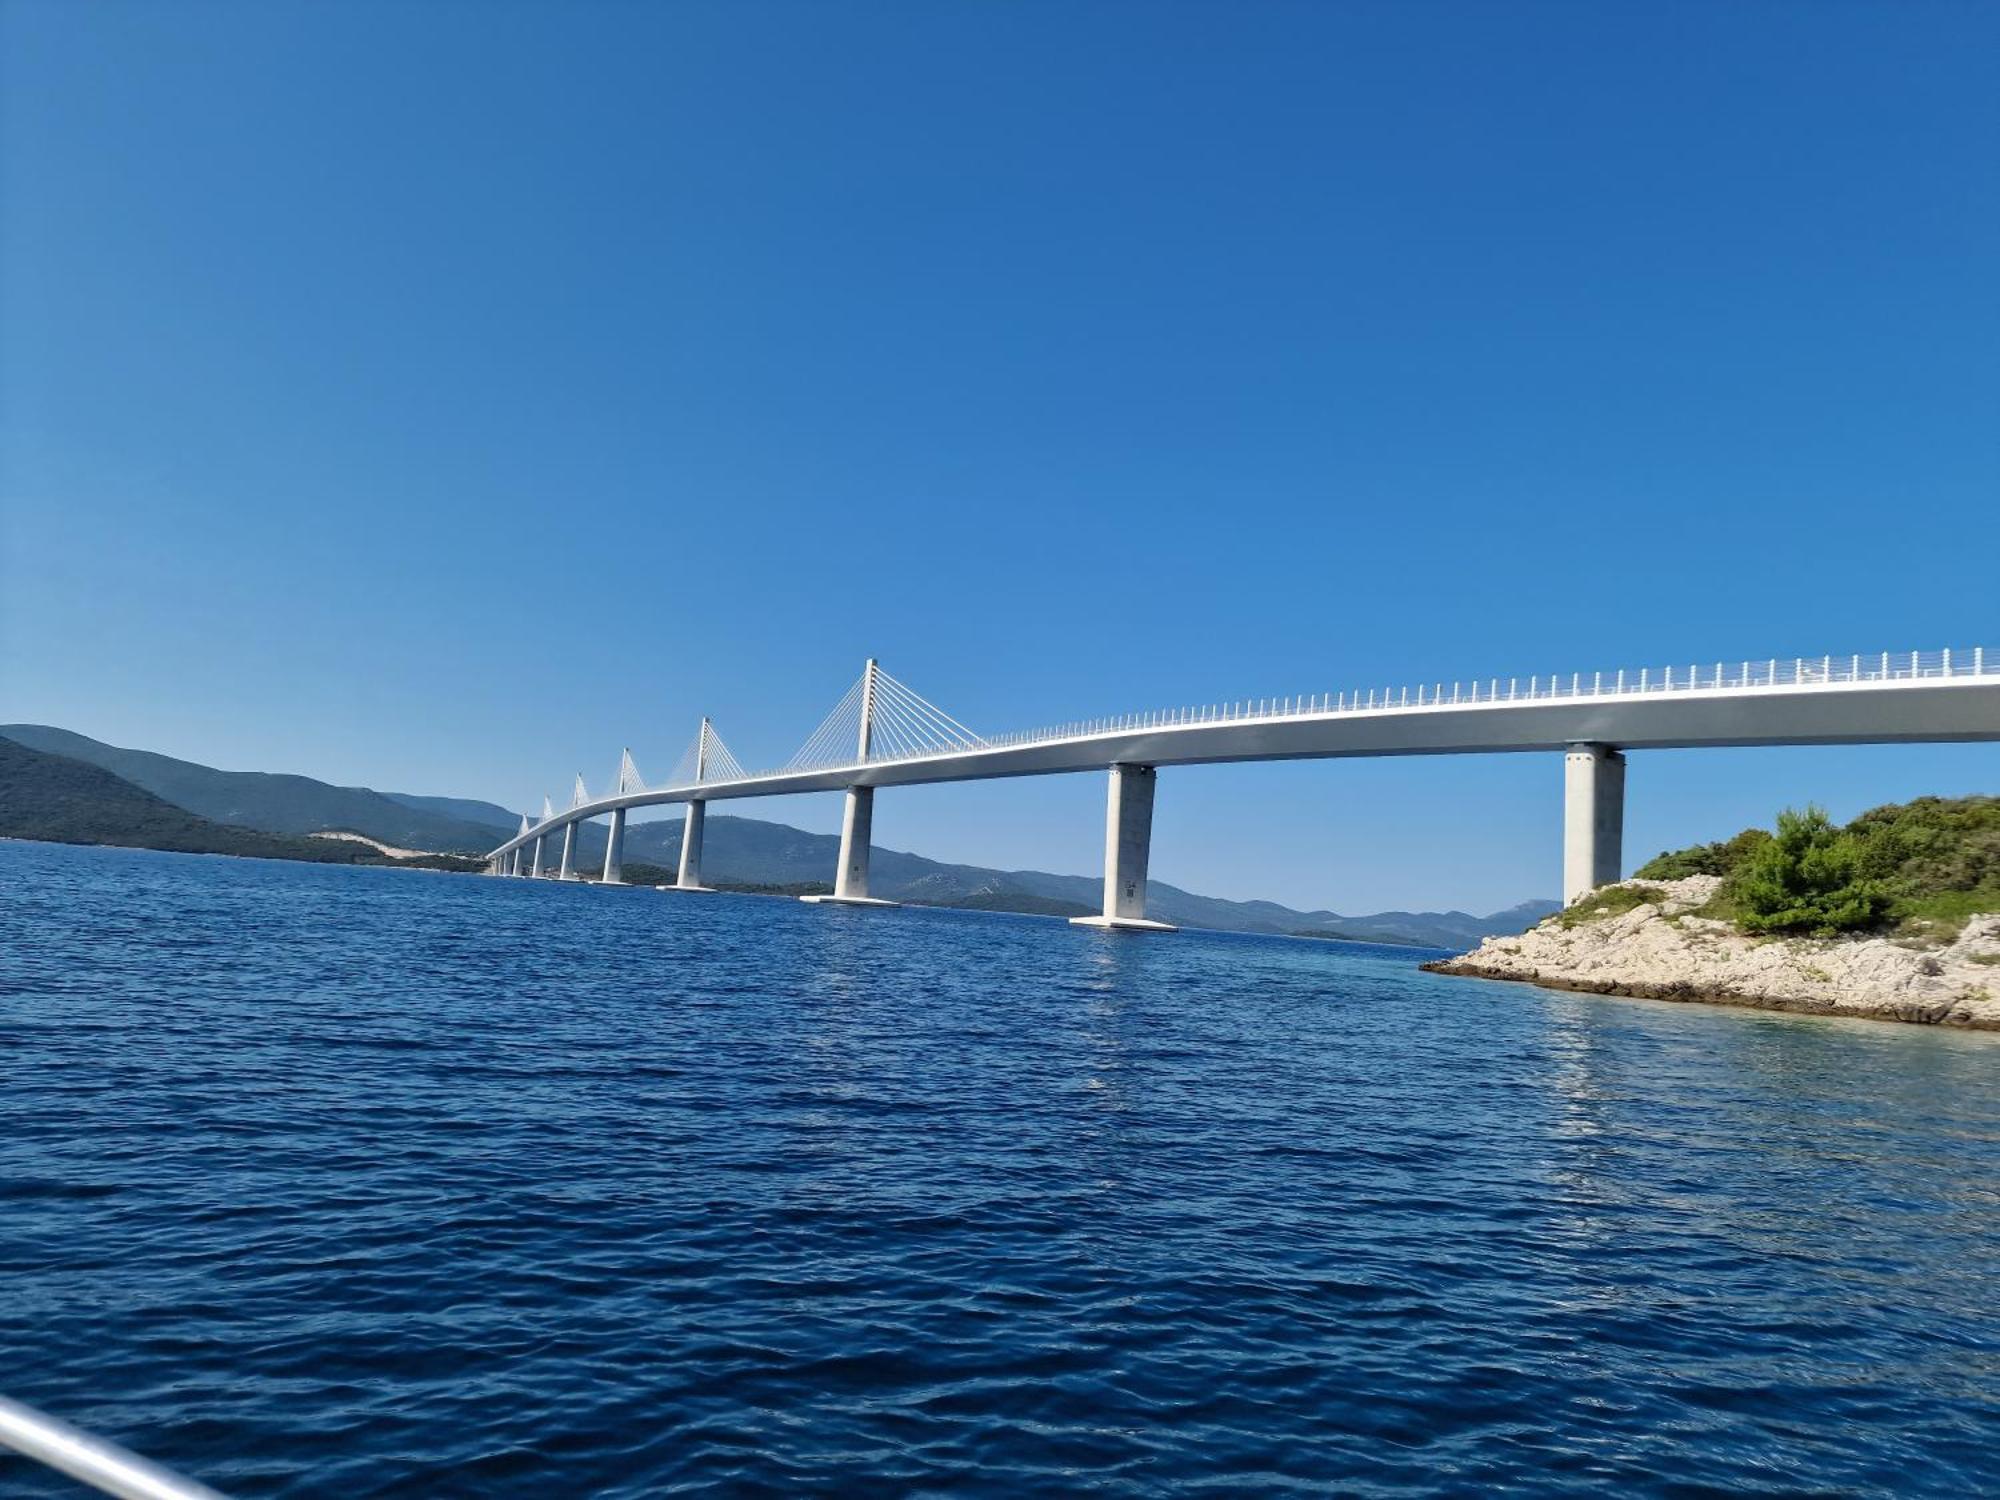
x=350, y=1182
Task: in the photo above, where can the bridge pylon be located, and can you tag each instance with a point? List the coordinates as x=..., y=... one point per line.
x=688, y=878
x=614, y=849
x=548, y=812
x=1593, y=819
x=857, y=819
x=567, y=870
x=1128, y=840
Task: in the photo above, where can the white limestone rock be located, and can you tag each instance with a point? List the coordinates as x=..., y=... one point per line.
x=1661, y=950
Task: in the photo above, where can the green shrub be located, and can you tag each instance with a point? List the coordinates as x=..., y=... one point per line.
x=1807, y=879
x=1927, y=865
x=1608, y=901
x=1723, y=858
x=1945, y=912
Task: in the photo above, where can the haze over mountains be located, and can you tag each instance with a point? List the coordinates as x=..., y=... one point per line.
x=738, y=851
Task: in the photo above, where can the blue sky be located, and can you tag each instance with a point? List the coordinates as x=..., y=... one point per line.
x=441, y=396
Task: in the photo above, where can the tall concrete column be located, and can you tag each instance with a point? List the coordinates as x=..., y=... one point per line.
x=1593, y=819
x=568, y=870
x=1128, y=839
x=614, y=849
x=514, y=861
x=690, y=875
x=537, y=871
x=857, y=820
x=857, y=830
x=857, y=827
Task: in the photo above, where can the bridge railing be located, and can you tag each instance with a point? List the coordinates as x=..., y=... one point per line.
x=1690, y=677
x=1680, y=677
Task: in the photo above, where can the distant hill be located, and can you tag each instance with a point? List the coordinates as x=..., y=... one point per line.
x=747, y=851
x=743, y=852
x=261, y=800
x=67, y=801
x=488, y=815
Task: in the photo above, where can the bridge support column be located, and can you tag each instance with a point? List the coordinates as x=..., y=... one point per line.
x=689, y=878
x=568, y=869
x=537, y=871
x=1128, y=840
x=1593, y=819
x=514, y=861
x=857, y=827
x=614, y=849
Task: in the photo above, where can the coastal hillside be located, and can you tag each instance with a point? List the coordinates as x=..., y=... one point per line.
x=1894, y=916
x=750, y=852
x=742, y=853
x=53, y=798
x=271, y=803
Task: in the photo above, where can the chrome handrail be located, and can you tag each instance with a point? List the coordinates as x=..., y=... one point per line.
x=101, y=1465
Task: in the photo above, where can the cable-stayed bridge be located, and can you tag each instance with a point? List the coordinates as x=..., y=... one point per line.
x=882, y=733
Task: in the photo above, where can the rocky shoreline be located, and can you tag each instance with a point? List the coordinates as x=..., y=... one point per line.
x=1659, y=949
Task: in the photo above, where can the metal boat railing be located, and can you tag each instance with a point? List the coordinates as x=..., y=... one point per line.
x=105, y=1467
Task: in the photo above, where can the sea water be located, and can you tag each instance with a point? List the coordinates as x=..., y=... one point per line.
x=354, y=1182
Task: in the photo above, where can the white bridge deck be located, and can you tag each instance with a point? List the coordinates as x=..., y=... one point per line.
x=1904, y=697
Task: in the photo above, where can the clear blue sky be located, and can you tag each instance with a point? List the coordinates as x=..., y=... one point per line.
x=441, y=396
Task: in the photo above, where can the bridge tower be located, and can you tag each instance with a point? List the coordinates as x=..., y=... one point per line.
x=689, y=878
x=1128, y=839
x=571, y=833
x=857, y=821
x=541, y=843
x=1593, y=819
x=614, y=849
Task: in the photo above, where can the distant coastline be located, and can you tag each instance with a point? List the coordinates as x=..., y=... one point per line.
x=62, y=787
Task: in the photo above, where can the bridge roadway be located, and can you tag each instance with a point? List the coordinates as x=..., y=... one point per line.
x=1907, y=698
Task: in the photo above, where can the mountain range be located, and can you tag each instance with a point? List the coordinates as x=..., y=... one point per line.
x=737, y=851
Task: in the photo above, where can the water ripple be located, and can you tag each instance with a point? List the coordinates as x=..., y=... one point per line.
x=326, y=1182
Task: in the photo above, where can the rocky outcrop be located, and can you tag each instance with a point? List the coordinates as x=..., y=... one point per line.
x=1660, y=949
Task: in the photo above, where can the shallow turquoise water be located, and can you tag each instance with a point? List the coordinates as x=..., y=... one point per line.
x=351, y=1182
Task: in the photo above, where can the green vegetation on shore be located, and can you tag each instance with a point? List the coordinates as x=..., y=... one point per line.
x=64, y=801
x=1919, y=867
x=1608, y=901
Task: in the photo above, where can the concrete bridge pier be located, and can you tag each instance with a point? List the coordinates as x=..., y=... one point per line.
x=514, y=861
x=857, y=821
x=689, y=878
x=568, y=868
x=536, y=873
x=1128, y=840
x=1593, y=819
x=614, y=849
x=857, y=827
